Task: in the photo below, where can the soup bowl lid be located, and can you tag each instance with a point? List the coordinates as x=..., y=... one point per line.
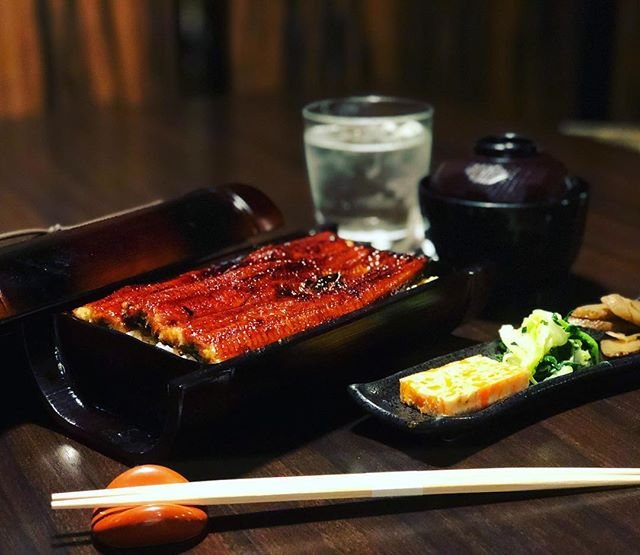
x=505, y=168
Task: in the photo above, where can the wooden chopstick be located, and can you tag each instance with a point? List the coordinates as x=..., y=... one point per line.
x=352, y=486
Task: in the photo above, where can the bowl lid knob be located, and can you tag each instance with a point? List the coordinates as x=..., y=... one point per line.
x=506, y=145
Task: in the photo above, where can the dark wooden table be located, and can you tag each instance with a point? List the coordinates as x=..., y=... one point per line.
x=68, y=168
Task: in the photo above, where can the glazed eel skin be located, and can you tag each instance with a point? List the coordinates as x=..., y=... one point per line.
x=274, y=292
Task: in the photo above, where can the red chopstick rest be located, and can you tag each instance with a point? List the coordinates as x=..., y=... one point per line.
x=146, y=525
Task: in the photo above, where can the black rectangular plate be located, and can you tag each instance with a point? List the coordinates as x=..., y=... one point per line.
x=381, y=398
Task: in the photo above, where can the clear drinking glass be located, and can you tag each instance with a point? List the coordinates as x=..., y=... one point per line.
x=365, y=156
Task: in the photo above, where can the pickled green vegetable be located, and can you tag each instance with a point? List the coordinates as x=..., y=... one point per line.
x=548, y=346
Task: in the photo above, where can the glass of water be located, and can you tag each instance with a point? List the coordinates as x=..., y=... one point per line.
x=365, y=156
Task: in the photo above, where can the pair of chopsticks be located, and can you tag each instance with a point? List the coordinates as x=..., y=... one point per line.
x=352, y=486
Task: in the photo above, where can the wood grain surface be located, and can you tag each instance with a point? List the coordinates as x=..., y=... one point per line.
x=56, y=53
x=76, y=165
x=551, y=60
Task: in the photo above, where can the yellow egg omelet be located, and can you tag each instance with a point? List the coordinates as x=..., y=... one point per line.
x=462, y=386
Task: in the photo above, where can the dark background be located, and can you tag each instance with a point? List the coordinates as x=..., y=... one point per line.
x=542, y=60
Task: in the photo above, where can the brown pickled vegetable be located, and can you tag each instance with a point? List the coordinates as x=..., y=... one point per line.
x=627, y=309
x=592, y=312
x=619, y=344
x=614, y=324
x=619, y=317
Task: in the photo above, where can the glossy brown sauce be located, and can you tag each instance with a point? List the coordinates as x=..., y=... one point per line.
x=272, y=293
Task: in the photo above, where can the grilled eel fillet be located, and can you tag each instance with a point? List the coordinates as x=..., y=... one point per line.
x=273, y=293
